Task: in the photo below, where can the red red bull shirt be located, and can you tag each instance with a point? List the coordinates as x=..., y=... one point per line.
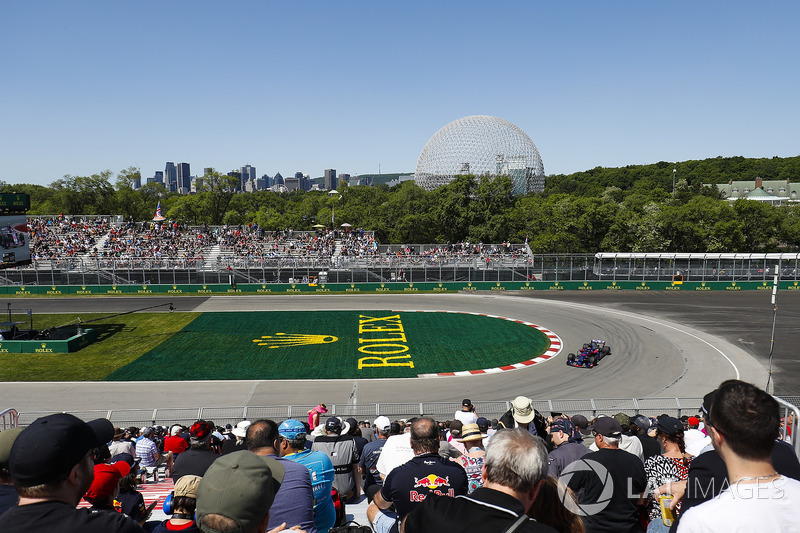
x=409, y=484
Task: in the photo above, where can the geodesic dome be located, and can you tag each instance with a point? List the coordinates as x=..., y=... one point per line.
x=479, y=145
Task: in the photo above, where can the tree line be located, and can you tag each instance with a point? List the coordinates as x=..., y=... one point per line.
x=626, y=209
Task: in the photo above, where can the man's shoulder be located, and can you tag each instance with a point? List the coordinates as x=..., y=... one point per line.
x=374, y=445
x=57, y=516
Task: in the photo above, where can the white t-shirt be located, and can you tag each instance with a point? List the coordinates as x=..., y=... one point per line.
x=395, y=452
x=466, y=417
x=769, y=506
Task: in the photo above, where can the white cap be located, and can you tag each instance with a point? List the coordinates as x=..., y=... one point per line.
x=241, y=429
x=382, y=423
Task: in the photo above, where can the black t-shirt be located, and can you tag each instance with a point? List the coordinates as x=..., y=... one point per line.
x=610, y=503
x=410, y=483
x=650, y=446
x=484, y=510
x=52, y=516
x=369, y=462
x=193, y=462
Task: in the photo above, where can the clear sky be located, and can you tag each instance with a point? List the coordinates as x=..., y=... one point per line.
x=304, y=86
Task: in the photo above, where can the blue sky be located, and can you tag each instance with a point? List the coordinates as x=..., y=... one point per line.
x=305, y=86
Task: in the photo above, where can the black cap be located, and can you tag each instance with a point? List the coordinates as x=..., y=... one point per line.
x=466, y=403
x=52, y=445
x=708, y=399
x=606, y=426
x=669, y=425
x=333, y=424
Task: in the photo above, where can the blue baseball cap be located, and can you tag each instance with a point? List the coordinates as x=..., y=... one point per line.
x=291, y=429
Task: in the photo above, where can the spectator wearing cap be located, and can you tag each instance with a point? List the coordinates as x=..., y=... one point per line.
x=523, y=415
x=608, y=482
x=131, y=500
x=485, y=427
x=120, y=445
x=175, y=443
x=671, y=466
x=515, y=470
x=341, y=449
x=52, y=468
x=472, y=461
x=696, y=440
x=147, y=452
x=409, y=484
x=467, y=413
x=293, y=448
x=744, y=425
x=581, y=423
x=565, y=450
x=355, y=431
x=640, y=426
x=627, y=443
x=237, y=442
x=453, y=434
x=237, y=492
x=294, y=503
x=196, y=460
x=368, y=463
x=396, y=451
x=8, y=496
x=105, y=485
x=183, y=507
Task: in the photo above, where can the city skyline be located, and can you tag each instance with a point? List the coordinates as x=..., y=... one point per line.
x=361, y=87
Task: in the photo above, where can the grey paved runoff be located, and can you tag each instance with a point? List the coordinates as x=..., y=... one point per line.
x=664, y=345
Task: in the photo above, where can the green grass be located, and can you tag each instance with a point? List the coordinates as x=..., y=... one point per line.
x=122, y=340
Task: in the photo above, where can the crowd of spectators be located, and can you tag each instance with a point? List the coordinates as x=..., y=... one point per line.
x=64, y=237
x=725, y=470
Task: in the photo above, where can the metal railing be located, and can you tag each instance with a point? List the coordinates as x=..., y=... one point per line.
x=9, y=418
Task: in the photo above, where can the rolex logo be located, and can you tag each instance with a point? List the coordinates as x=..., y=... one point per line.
x=287, y=340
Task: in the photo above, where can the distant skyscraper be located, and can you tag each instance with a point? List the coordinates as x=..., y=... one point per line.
x=305, y=183
x=330, y=179
x=137, y=182
x=344, y=178
x=158, y=177
x=171, y=177
x=248, y=174
x=292, y=184
x=278, y=179
x=184, y=177
x=268, y=182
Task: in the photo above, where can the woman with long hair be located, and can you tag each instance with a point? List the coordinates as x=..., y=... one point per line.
x=669, y=467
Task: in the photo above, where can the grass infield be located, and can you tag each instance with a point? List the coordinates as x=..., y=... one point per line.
x=281, y=345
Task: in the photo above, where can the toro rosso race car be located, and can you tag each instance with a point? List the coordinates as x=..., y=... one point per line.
x=589, y=355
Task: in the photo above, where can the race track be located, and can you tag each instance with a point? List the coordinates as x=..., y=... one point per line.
x=652, y=356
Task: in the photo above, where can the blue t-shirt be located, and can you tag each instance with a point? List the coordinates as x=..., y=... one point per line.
x=321, y=469
x=369, y=462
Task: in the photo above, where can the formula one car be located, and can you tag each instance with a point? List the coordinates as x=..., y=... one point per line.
x=589, y=355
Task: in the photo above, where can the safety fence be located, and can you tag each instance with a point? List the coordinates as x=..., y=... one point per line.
x=441, y=411
x=376, y=288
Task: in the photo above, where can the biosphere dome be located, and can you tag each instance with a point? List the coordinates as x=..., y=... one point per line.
x=478, y=145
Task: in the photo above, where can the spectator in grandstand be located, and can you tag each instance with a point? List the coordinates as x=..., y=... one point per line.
x=52, y=468
x=640, y=426
x=565, y=450
x=237, y=492
x=8, y=496
x=367, y=432
x=351, y=428
x=582, y=424
x=313, y=415
x=467, y=413
x=105, y=485
x=483, y=425
x=671, y=466
x=425, y=474
x=554, y=505
x=147, y=452
x=609, y=466
x=523, y=415
x=744, y=425
x=515, y=469
x=294, y=503
x=131, y=500
x=453, y=434
x=196, y=460
x=397, y=449
x=175, y=444
x=473, y=460
x=368, y=463
x=630, y=444
x=183, y=507
x=343, y=453
x=694, y=438
x=120, y=445
x=237, y=442
x=293, y=447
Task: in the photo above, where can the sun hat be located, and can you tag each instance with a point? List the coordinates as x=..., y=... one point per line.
x=522, y=409
x=471, y=432
x=241, y=429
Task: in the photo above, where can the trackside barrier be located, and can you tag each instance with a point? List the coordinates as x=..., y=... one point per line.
x=8, y=419
x=790, y=414
x=23, y=291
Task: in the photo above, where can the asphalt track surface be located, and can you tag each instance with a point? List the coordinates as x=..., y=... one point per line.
x=664, y=345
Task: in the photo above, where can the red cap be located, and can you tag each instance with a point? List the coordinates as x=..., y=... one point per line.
x=106, y=479
x=200, y=429
x=694, y=421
